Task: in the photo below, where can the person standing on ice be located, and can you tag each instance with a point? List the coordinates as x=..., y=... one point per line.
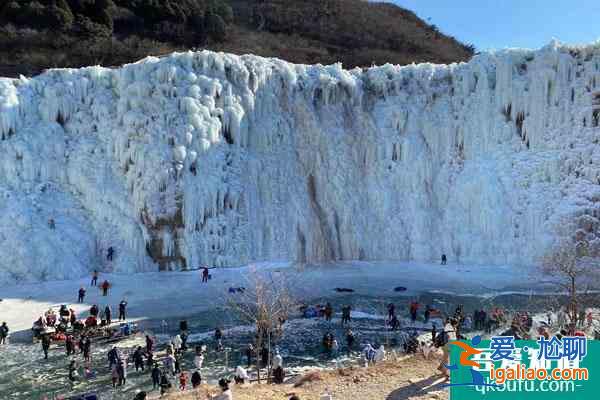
x=155, y=377
x=346, y=318
x=73, y=375
x=45, y=345
x=87, y=349
x=149, y=344
x=177, y=343
x=328, y=312
x=395, y=323
x=110, y=253
x=105, y=286
x=249, y=354
x=414, y=308
x=113, y=357
x=122, y=307
x=391, y=311
x=335, y=347
x=196, y=379
x=198, y=360
x=108, y=315
x=80, y=295
x=70, y=345
x=3, y=333
x=368, y=354
x=169, y=363
x=182, y=381
x=205, y=275
x=444, y=259
x=122, y=371
x=138, y=359
x=349, y=340
x=379, y=355
x=94, y=278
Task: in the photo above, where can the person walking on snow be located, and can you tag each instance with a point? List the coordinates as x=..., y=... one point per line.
x=81, y=295
x=205, y=275
x=444, y=259
x=94, y=278
x=122, y=307
x=110, y=253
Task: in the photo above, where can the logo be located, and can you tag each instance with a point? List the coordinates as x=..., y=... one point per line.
x=468, y=351
x=503, y=368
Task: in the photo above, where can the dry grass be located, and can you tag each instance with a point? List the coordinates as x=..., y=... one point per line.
x=409, y=378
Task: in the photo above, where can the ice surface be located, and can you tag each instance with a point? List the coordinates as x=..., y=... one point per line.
x=220, y=159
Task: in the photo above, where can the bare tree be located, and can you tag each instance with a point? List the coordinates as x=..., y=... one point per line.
x=570, y=268
x=266, y=303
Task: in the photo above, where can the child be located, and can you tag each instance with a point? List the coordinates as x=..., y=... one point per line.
x=182, y=381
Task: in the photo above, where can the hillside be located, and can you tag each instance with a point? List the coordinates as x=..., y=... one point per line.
x=36, y=35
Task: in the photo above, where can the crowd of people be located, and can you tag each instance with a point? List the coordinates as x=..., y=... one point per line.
x=167, y=367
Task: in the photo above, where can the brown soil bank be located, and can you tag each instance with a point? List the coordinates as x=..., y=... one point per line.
x=412, y=378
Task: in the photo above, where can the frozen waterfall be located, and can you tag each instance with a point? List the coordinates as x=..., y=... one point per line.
x=207, y=158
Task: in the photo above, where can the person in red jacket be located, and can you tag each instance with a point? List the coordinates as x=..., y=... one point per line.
x=105, y=286
x=182, y=381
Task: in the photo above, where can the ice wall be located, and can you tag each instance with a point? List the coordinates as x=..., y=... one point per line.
x=212, y=158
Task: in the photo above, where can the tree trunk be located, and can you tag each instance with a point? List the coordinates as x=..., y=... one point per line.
x=269, y=358
x=258, y=358
x=573, y=301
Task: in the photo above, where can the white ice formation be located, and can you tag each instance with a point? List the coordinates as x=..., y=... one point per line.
x=220, y=159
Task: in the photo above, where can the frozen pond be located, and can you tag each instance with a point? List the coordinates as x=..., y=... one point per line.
x=27, y=376
x=176, y=296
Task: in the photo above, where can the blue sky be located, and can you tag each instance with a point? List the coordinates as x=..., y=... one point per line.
x=498, y=24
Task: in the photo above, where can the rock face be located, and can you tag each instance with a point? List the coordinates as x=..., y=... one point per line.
x=212, y=158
